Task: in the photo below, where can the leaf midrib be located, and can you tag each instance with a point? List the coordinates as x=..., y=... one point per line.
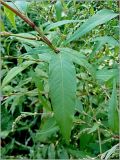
x=61, y=65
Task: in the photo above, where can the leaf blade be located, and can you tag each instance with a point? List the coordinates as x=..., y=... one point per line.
x=113, y=117
x=14, y=71
x=79, y=59
x=58, y=9
x=99, y=18
x=11, y=16
x=60, y=23
x=100, y=41
x=62, y=83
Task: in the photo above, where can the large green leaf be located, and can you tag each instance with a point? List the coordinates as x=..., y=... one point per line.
x=113, y=118
x=62, y=83
x=99, y=18
x=16, y=70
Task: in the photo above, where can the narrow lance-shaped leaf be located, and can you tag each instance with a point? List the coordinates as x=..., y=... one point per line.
x=100, y=41
x=16, y=70
x=113, y=119
x=62, y=83
x=2, y=27
x=10, y=15
x=58, y=9
x=99, y=18
x=111, y=151
x=104, y=75
x=60, y=23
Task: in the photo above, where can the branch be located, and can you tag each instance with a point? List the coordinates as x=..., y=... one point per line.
x=23, y=58
x=7, y=34
x=28, y=21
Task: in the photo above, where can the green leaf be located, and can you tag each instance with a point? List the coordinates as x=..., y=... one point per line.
x=79, y=106
x=111, y=151
x=22, y=5
x=16, y=70
x=37, y=78
x=33, y=43
x=48, y=128
x=40, y=49
x=77, y=153
x=113, y=118
x=85, y=138
x=62, y=83
x=79, y=59
x=103, y=40
x=106, y=155
x=99, y=18
x=2, y=27
x=58, y=9
x=62, y=153
x=60, y=23
x=10, y=15
x=51, y=151
x=104, y=75
x=5, y=118
x=17, y=101
x=4, y=134
x=94, y=128
x=107, y=39
x=72, y=52
x=42, y=53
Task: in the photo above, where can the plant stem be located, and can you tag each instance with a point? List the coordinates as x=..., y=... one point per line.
x=23, y=58
x=7, y=34
x=28, y=21
x=99, y=137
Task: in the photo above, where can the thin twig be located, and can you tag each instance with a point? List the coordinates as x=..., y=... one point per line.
x=7, y=34
x=20, y=94
x=28, y=59
x=99, y=137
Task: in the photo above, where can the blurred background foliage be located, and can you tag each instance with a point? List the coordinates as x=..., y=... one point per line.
x=28, y=127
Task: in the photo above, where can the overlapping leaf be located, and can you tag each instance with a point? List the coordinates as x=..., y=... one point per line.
x=79, y=59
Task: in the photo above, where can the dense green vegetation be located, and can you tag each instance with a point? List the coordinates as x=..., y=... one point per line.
x=60, y=101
